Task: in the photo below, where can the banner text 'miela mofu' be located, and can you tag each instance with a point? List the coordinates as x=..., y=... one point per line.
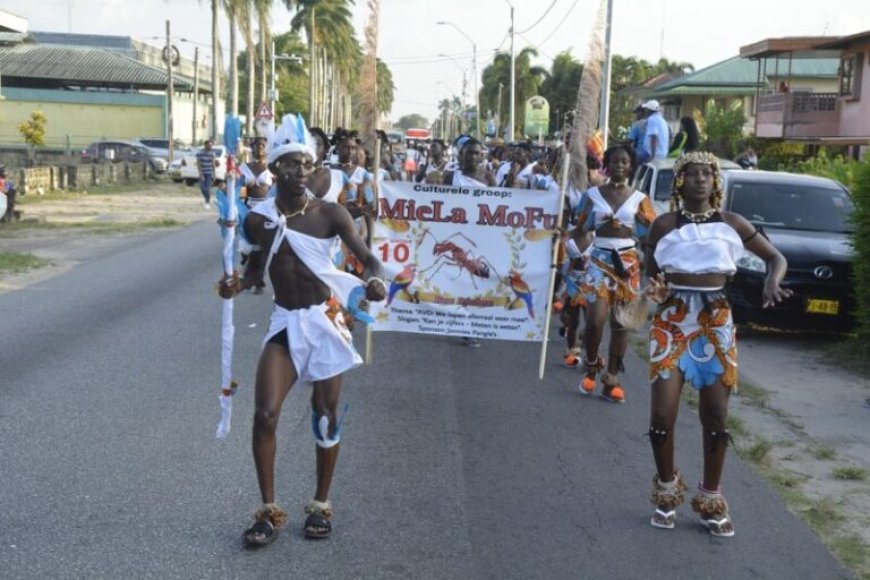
x=488, y=215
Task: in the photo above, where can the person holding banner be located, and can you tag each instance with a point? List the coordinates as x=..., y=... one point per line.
x=471, y=171
x=308, y=340
x=432, y=171
x=619, y=216
x=692, y=251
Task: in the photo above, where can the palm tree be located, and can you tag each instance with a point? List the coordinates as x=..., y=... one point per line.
x=231, y=7
x=262, y=8
x=528, y=80
x=334, y=54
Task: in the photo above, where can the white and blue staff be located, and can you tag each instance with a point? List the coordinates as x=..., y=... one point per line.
x=228, y=221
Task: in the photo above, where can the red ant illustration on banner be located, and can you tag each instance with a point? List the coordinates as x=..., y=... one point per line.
x=451, y=254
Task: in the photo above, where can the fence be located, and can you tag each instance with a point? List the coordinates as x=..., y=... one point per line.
x=62, y=177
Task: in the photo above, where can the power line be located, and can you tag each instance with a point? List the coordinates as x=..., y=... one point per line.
x=538, y=21
x=561, y=22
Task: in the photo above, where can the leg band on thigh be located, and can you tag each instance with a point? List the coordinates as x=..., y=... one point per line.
x=320, y=424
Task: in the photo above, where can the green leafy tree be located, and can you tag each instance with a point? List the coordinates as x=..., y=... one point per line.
x=33, y=132
x=724, y=128
x=386, y=88
x=411, y=121
x=628, y=73
x=291, y=77
x=560, y=88
x=528, y=83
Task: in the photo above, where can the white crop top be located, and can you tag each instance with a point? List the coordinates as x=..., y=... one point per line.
x=263, y=179
x=602, y=213
x=700, y=248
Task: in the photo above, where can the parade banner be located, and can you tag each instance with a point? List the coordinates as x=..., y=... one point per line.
x=465, y=261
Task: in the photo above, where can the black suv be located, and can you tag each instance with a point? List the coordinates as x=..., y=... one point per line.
x=807, y=219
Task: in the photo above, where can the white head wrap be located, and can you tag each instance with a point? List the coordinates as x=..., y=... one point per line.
x=291, y=137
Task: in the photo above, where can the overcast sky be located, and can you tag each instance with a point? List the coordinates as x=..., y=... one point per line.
x=700, y=32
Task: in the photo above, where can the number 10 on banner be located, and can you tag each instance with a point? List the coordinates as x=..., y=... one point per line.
x=394, y=251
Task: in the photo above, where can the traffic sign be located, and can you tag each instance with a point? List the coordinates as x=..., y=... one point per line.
x=264, y=112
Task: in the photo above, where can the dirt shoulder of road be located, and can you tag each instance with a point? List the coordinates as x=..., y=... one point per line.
x=67, y=228
x=798, y=415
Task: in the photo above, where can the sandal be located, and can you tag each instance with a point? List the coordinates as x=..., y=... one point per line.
x=666, y=497
x=663, y=519
x=269, y=520
x=612, y=389
x=713, y=511
x=317, y=524
x=590, y=372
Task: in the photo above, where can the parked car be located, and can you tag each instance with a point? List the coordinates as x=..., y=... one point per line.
x=184, y=168
x=807, y=219
x=159, y=147
x=117, y=151
x=656, y=178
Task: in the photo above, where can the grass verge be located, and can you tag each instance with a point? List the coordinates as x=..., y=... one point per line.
x=16, y=263
x=90, y=226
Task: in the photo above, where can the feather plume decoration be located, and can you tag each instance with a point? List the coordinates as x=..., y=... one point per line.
x=588, y=99
x=369, y=81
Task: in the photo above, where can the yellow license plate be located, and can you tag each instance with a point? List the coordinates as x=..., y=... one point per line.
x=817, y=306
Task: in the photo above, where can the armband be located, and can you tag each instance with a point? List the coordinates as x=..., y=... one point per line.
x=573, y=250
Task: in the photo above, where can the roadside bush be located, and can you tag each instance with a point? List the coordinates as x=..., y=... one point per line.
x=861, y=242
x=837, y=167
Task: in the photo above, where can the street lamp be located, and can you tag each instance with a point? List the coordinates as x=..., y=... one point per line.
x=273, y=95
x=476, y=92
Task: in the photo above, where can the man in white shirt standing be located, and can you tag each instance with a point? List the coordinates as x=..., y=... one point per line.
x=657, y=138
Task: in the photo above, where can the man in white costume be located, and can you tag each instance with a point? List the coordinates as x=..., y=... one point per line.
x=308, y=340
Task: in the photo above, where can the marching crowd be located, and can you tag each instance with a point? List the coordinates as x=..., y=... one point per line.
x=306, y=211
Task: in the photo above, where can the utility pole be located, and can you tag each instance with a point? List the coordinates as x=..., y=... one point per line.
x=167, y=53
x=513, y=78
x=272, y=87
x=498, y=117
x=195, y=97
x=476, y=95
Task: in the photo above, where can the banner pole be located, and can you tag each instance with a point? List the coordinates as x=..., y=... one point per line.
x=566, y=160
x=370, y=223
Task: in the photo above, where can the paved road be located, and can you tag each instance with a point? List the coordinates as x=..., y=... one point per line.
x=456, y=463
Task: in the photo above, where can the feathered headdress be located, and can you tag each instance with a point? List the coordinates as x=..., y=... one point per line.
x=291, y=137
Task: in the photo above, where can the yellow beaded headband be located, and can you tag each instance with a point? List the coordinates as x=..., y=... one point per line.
x=701, y=157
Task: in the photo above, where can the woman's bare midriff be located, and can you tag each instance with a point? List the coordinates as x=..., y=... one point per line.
x=697, y=280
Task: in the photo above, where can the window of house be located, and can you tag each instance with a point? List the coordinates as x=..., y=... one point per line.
x=850, y=75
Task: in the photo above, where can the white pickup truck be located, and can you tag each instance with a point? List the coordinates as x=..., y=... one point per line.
x=184, y=168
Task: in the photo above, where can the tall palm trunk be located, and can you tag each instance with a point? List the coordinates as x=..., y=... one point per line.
x=312, y=70
x=369, y=80
x=234, y=62
x=263, y=75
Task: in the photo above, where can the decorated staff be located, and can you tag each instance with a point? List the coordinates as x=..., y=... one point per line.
x=231, y=280
x=566, y=162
